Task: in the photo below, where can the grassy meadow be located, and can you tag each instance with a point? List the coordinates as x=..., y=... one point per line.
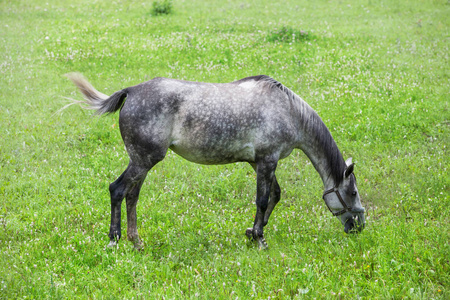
x=376, y=71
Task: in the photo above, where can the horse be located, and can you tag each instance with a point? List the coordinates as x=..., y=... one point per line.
x=256, y=120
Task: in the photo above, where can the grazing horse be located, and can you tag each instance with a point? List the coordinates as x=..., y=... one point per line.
x=255, y=120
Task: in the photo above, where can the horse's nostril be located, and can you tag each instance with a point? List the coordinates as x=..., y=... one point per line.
x=348, y=225
x=354, y=224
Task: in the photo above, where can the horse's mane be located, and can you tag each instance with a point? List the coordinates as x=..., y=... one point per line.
x=313, y=125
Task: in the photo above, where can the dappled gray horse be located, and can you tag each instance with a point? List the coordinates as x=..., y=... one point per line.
x=255, y=120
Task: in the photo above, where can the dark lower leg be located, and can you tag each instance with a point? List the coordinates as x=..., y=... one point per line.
x=258, y=225
x=117, y=194
x=131, y=200
x=115, y=228
x=120, y=188
x=275, y=193
x=273, y=200
x=265, y=171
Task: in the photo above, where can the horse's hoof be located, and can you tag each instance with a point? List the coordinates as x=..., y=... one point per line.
x=139, y=246
x=262, y=244
x=112, y=244
x=249, y=233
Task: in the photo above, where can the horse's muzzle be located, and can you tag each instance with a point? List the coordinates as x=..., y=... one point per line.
x=353, y=222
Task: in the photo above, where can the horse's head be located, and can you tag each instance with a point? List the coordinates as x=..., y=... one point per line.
x=343, y=201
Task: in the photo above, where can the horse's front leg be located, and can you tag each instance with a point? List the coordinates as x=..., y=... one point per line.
x=275, y=194
x=265, y=174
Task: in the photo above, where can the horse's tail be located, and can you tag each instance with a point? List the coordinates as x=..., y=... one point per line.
x=94, y=99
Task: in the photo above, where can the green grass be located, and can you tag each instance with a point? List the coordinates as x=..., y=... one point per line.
x=376, y=71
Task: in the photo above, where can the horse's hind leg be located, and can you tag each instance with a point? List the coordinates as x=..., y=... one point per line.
x=131, y=200
x=127, y=185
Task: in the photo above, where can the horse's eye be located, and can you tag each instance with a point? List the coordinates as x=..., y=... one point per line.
x=354, y=193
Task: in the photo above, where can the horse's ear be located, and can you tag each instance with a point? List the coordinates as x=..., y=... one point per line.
x=350, y=166
x=349, y=170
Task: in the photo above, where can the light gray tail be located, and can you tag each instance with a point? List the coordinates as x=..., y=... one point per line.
x=100, y=102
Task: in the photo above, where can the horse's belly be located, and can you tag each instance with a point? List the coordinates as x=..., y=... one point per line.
x=214, y=154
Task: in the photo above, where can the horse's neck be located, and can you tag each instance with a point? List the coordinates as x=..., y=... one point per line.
x=321, y=165
x=320, y=147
